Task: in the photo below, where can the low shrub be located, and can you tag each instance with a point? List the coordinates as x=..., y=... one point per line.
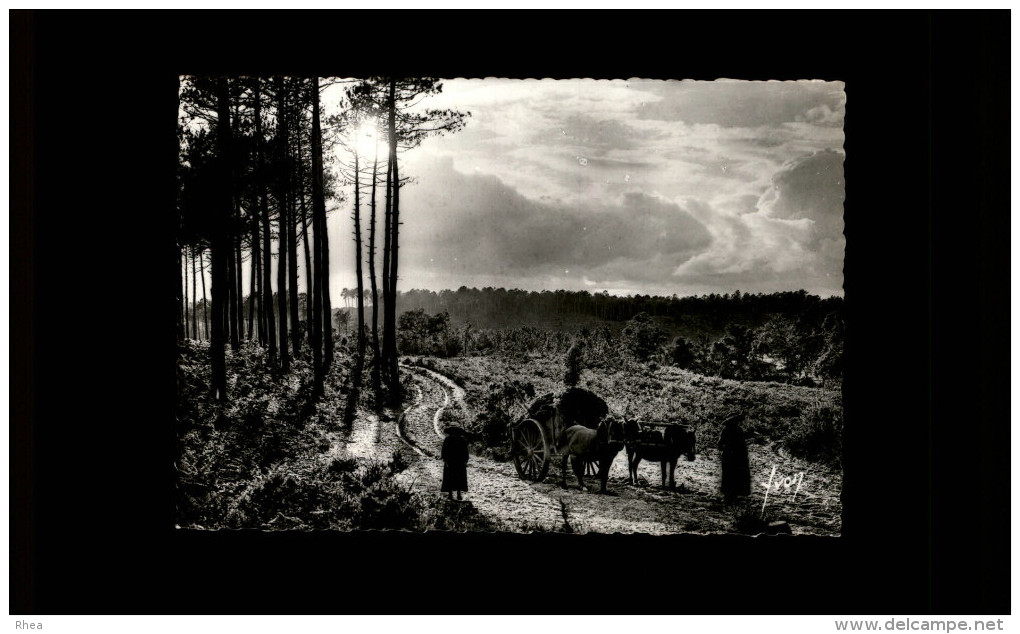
x=388, y=505
x=574, y=364
x=818, y=435
x=642, y=336
x=749, y=519
x=398, y=463
x=421, y=334
x=500, y=406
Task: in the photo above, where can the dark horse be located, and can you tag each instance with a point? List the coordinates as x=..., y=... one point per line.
x=665, y=447
x=581, y=445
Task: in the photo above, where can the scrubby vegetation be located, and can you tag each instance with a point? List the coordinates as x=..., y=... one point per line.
x=801, y=343
x=749, y=519
x=419, y=333
x=268, y=459
x=271, y=458
x=804, y=420
x=818, y=435
x=783, y=369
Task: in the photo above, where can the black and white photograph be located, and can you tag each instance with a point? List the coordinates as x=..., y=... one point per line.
x=512, y=305
x=390, y=316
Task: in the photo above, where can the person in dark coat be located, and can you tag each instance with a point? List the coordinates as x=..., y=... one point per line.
x=455, y=458
x=736, y=470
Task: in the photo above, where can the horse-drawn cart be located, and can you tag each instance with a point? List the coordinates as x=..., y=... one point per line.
x=533, y=438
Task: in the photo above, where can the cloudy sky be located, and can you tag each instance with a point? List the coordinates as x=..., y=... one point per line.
x=638, y=186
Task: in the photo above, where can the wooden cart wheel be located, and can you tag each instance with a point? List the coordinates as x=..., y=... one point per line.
x=591, y=468
x=530, y=451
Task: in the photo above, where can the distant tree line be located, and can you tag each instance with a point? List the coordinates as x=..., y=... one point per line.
x=499, y=308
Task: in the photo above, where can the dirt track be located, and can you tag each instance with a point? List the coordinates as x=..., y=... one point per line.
x=513, y=504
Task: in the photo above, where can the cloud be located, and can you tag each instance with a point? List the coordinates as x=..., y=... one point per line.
x=597, y=134
x=823, y=115
x=656, y=186
x=790, y=237
x=543, y=98
x=810, y=187
x=581, y=139
x=482, y=226
x=739, y=103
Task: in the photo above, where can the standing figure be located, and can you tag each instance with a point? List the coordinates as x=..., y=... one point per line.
x=736, y=471
x=455, y=458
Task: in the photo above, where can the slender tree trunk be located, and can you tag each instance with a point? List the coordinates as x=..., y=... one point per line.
x=358, y=271
x=230, y=311
x=304, y=238
x=292, y=88
x=181, y=334
x=309, y=283
x=187, y=310
x=318, y=211
x=221, y=244
x=180, y=262
x=260, y=307
x=194, y=300
x=318, y=307
x=327, y=304
x=236, y=313
x=387, y=215
x=392, y=309
x=281, y=287
x=284, y=221
x=387, y=300
x=253, y=286
x=205, y=303
x=266, y=308
x=376, y=372
x=293, y=271
x=240, y=283
x=228, y=297
x=390, y=321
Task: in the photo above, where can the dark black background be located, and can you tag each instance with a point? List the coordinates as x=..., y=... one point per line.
x=926, y=509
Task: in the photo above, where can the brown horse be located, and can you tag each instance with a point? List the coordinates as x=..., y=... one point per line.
x=582, y=445
x=664, y=448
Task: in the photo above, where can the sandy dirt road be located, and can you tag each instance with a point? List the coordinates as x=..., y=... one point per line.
x=513, y=504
